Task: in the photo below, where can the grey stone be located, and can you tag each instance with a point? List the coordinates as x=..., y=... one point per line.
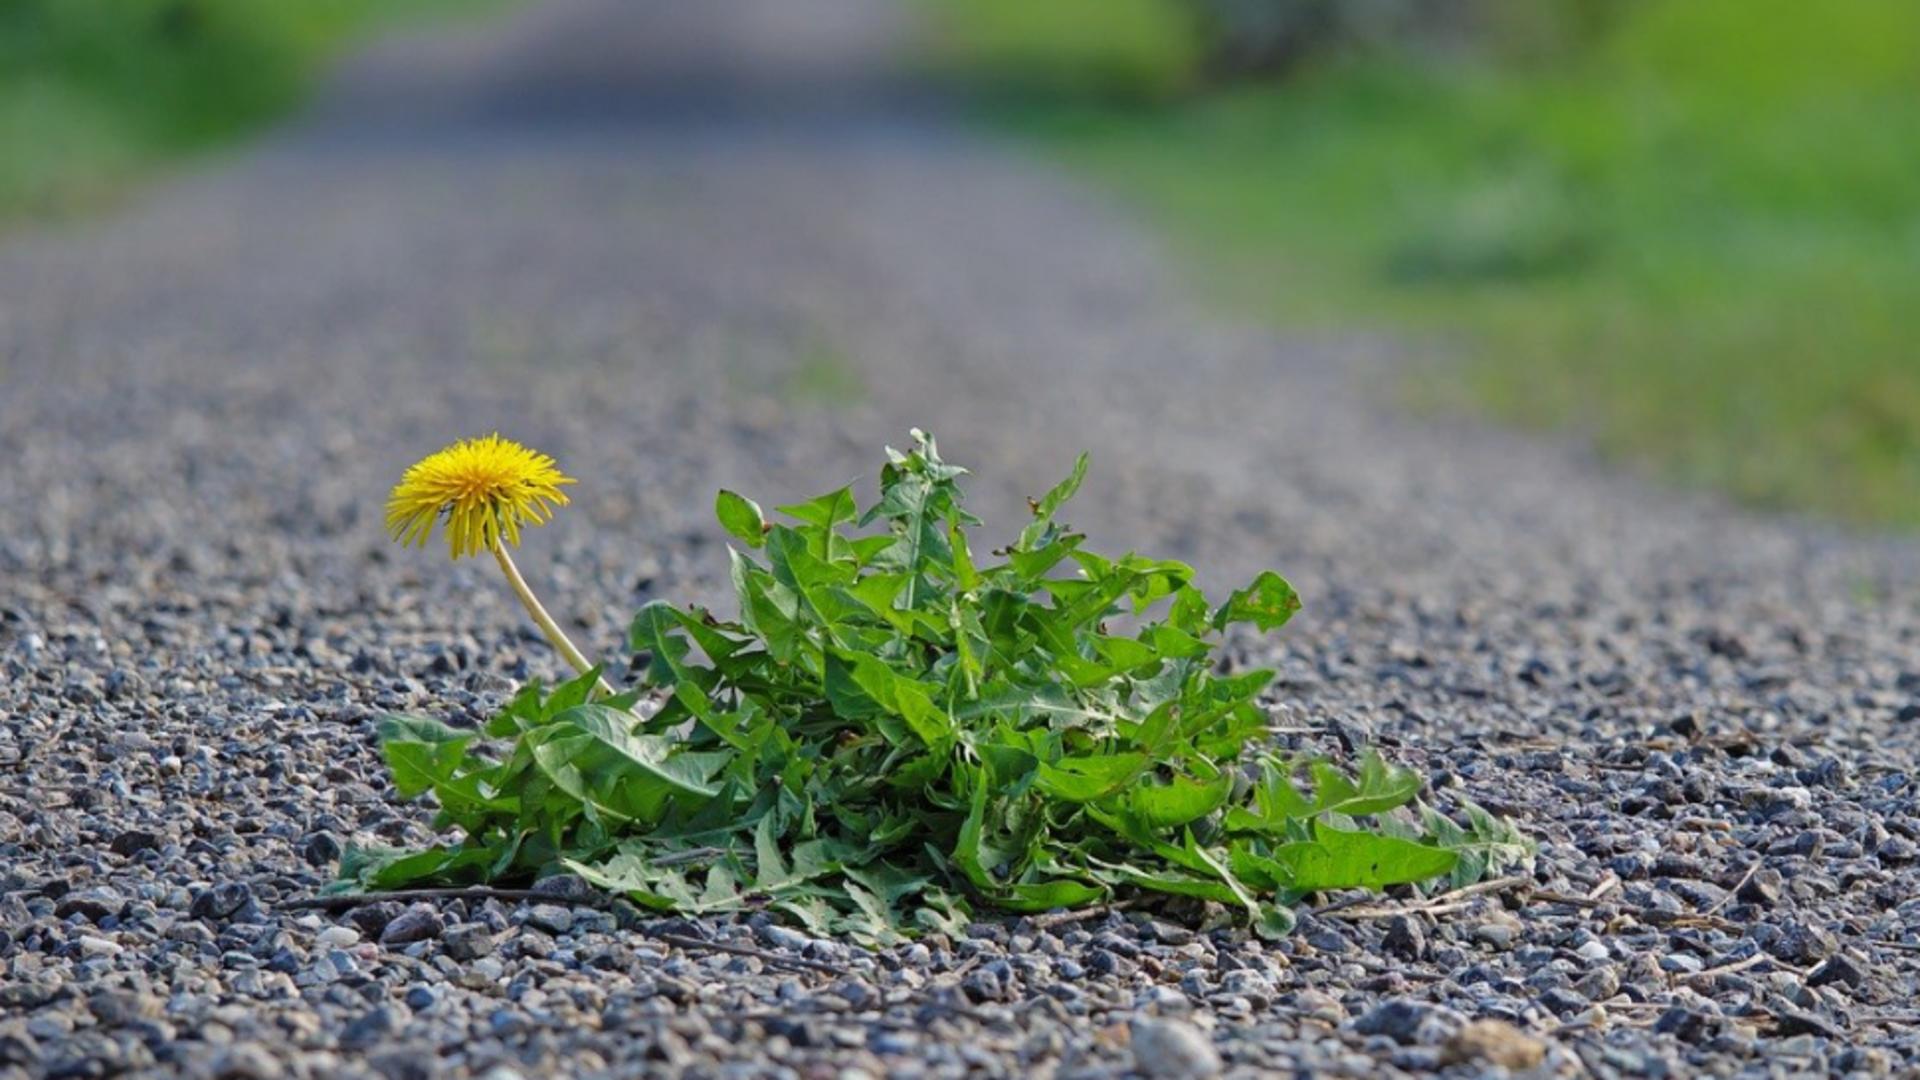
x=1173, y=1049
x=418, y=923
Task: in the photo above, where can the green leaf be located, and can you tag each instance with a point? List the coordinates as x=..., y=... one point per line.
x=899, y=695
x=1050, y=504
x=376, y=868
x=658, y=630
x=964, y=574
x=1347, y=859
x=1380, y=787
x=828, y=511
x=1048, y=895
x=970, y=849
x=1091, y=777
x=1267, y=603
x=1030, y=566
x=767, y=608
x=741, y=517
x=1188, y=612
x=422, y=753
x=1180, y=801
x=654, y=756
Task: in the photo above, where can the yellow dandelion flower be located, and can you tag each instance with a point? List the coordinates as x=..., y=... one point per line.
x=484, y=489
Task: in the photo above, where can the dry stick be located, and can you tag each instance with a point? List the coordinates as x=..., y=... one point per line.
x=1367, y=914
x=347, y=901
x=687, y=941
x=1683, y=919
x=849, y=1013
x=1481, y=888
x=1447, y=903
x=691, y=855
x=40, y=748
x=1549, y=896
x=1607, y=885
x=1649, y=915
x=949, y=978
x=1353, y=899
x=1067, y=918
x=1722, y=902
x=1438, y=905
x=1727, y=969
x=848, y=1016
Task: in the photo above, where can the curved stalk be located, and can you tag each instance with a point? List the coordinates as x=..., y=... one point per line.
x=555, y=636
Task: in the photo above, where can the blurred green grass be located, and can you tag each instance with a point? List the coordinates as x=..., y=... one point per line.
x=94, y=91
x=1694, y=239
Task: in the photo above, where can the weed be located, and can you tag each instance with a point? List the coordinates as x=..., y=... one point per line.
x=895, y=732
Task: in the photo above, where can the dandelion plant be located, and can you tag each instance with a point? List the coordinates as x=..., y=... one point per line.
x=897, y=731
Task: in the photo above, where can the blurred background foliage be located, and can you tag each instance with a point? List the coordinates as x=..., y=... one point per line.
x=90, y=90
x=1688, y=229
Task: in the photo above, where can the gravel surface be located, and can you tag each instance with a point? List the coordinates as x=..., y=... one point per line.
x=682, y=246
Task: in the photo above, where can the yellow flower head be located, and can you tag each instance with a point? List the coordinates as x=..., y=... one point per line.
x=484, y=488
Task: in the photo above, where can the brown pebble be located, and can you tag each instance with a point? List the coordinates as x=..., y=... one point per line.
x=1494, y=1042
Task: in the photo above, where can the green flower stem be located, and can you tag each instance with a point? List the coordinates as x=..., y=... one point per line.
x=555, y=636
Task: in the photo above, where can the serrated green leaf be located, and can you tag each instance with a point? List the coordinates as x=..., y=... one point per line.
x=827, y=511
x=1091, y=777
x=904, y=697
x=1348, y=859
x=652, y=756
x=1179, y=801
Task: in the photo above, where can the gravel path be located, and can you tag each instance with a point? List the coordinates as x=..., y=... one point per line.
x=689, y=245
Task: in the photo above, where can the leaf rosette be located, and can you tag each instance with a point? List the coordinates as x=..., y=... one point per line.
x=894, y=733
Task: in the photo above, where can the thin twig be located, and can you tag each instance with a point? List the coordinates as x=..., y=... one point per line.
x=1727, y=969
x=39, y=749
x=952, y=978
x=830, y=1013
x=1607, y=885
x=1481, y=888
x=1438, y=905
x=1067, y=918
x=1681, y=919
x=348, y=901
x=688, y=941
x=1352, y=899
x=682, y=858
x=1722, y=902
x=1549, y=896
